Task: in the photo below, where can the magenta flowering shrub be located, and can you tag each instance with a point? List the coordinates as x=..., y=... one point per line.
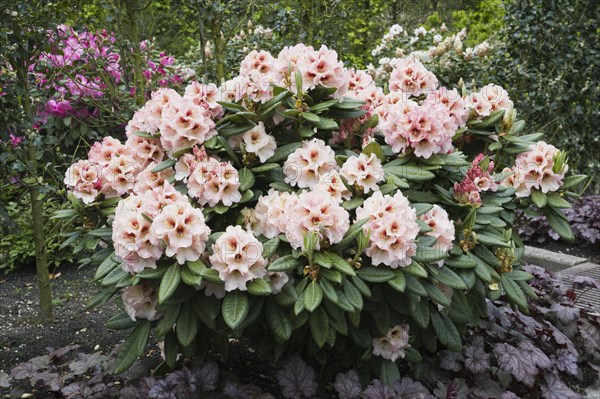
x=301, y=204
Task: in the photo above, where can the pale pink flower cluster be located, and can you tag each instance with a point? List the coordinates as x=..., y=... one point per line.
x=237, y=256
x=475, y=182
x=186, y=164
x=181, y=229
x=133, y=241
x=277, y=280
x=442, y=228
x=393, y=228
x=309, y=164
x=316, y=212
x=271, y=213
x=412, y=78
x=181, y=121
x=489, y=99
x=83, y=178
x=456, y=105
x=393, y=344
x=140, y=302
x=317, y=67
x=536, y=169
x=364, y=170
x=256, y=141
x=333, y=185
x=146, y=180
x=145, y=150
x=110, y=170
x=212, y=182
x=426, y=128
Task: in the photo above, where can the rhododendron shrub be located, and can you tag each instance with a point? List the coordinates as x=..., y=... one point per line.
x=303, y=205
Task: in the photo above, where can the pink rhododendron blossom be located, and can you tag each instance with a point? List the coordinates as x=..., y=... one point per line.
x=393, y=229
x=393, y=344
x=144, y=150
x=489, y=99
x=364, y=170
x=133, y=241
x=411, y=77
x=258, y=142
x=213, y=182
x=426, y=128
x=147, y=180
x=309, y=164
x=205, y=95
x=476, y=181
x=442, y=228
x=316, y=212
x=334, y=186
x=187, y=163
x=181, y=228
x=260, y=61
x=237, y=256
x=536, y=169
x=140, y=302
x=277, y=280
x=271, y=213
x=84, y=179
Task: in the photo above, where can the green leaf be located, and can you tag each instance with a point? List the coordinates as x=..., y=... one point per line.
x=120, y=321
x=259, y=287
x=539, y=198
x=374, y=148
x=181, y=152
x=436, y=294
x=398, y=282
x=169, y=283
x=460, y=262
x=284, y=151
x=375, y=274
x=491, y=241
x=313, y=296
x=422, y=208
x=166, y=323
x=573, y=181
x=265, y=168
x=389, y=372
x=353, y=295
x=235, y=308
x=352, y=232
x=114, y=277
x=164, y=165
x=190, y=278
x=514, y=292
x=416, y=269
x=353, y=203
x=133, y=347
x=408, y=172
x=278, y=322
x=519, y=275
x=340, y=264
x=328, y=290
x=319, y=326
x=171, y=349
x=104, y=232
x=246, y=179
x=187, y=325
x=284, y=264
x=414, y=285
x=270, y=247
x=451, y=279
x=419, y=310
x=559, y=223
x=107, y=266
x=556, y=201
x=446, y=331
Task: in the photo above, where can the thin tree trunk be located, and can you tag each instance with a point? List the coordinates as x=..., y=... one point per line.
x=134, y=37
x=202, y=31
x=41, y=256
x=219, y=50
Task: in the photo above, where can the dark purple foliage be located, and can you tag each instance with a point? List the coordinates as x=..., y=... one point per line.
x=297, y=379
x=584, y=219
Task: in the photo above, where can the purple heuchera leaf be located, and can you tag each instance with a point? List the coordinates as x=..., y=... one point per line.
x=476, y=360
x=297, y=379
x=238, y=391
x=511, y=361
x=81, y=390
x=347, y=385
x=207, y=377
x=565, y=314
x=455, y=389
x=509, y=395
x=591, y=337
x=565, y=361
x=4, y=380
x=163, y=389
x=484, y=387
x=86, y=362
x=406, y=388
x=534, y=355
x=556, y=389
x=378, y=390
x=451, y=360
x=581, y=282
x=185, y=381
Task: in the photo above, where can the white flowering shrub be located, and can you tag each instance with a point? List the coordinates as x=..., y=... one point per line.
x=304, y=206
x=441, y=51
